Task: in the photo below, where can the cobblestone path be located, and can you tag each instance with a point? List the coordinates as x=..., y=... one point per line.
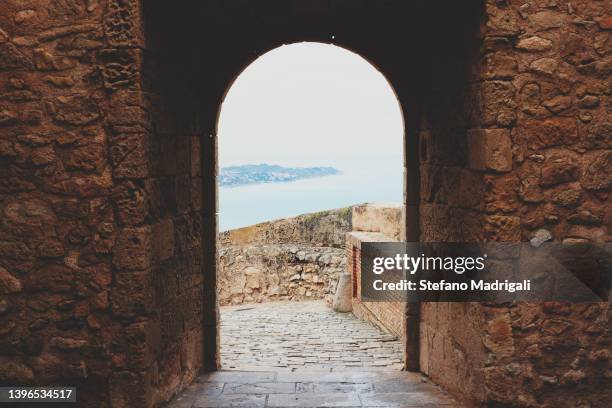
x=302, y=354
x=302, y=335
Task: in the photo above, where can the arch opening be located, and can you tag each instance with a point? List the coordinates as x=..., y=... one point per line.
x=307, y=134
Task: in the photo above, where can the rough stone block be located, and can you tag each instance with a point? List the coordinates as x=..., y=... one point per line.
x=534, y=44
x=129, y=155
x=122, y=23
x=494, y=103
x=8, y=283
x=559, y=169
x=500, y=66
x=501, y=228
x=598, y=175
x=490, y=149
x=546, y=20
x=121, y=69
x=378, y=218
x=502, y=22
x=132, y=249
x=132, y=294
x=11, y=59
x=75, y=110
x=131, y=202
x=88, y=158
x=501, y=193
x=142, y=342
x=548, y=132
x=52, y=277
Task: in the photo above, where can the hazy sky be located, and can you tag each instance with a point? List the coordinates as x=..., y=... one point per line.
x=311, y=104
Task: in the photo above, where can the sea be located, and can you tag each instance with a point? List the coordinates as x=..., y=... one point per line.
x=251, y=204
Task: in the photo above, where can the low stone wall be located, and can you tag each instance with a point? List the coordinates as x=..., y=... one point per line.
x=288, y=259
x=257, y=273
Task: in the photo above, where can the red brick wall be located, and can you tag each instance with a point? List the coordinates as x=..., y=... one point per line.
x=387, y=315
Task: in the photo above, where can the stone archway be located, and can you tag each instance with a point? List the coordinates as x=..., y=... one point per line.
x=420, y=64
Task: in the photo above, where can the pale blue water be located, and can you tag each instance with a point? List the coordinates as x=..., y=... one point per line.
x=247, y=205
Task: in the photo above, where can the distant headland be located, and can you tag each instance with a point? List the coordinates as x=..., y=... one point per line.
x=233, y=176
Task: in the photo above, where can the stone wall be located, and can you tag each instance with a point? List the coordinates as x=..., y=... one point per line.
x=66, y=203
x=293, y=258
x=531, y=154
x=100, y=248
x=256, y=273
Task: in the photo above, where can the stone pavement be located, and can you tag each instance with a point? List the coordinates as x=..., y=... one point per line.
x=303, y=354
x=302, y=335
x=312, y=388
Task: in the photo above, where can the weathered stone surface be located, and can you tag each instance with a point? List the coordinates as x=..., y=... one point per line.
x=502, y=228
x=29, y=217
x=133, y=249
x=74, y=110
x=129, y=155
x=45, y=61
x=383, y=218
x=131, y=202
x=64, y=343
x=501, y=194
x=290, y=328
x=122, y=23
x=12, y=370
x=255, y=273
x=598, y=174
x=605, y=22
x=51, y=277
x=558, y=103
x=500, y=66
x=539, y=237
x=584, y=217
x=88, y=158
x=569, y=197
x=8, y=283
x=489, y=149
x=588, y=102
x=499, y=340
x=545, y=20
x=121, y=68
x=557, y=170
x=132, y=294
x=534, y=44
x=544, y=66
x=502, y=21
x=496, y=104
x=11, y=59
x=550, y=132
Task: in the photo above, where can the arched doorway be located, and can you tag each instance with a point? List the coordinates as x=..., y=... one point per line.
x=305, y=133
x=195, y=63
